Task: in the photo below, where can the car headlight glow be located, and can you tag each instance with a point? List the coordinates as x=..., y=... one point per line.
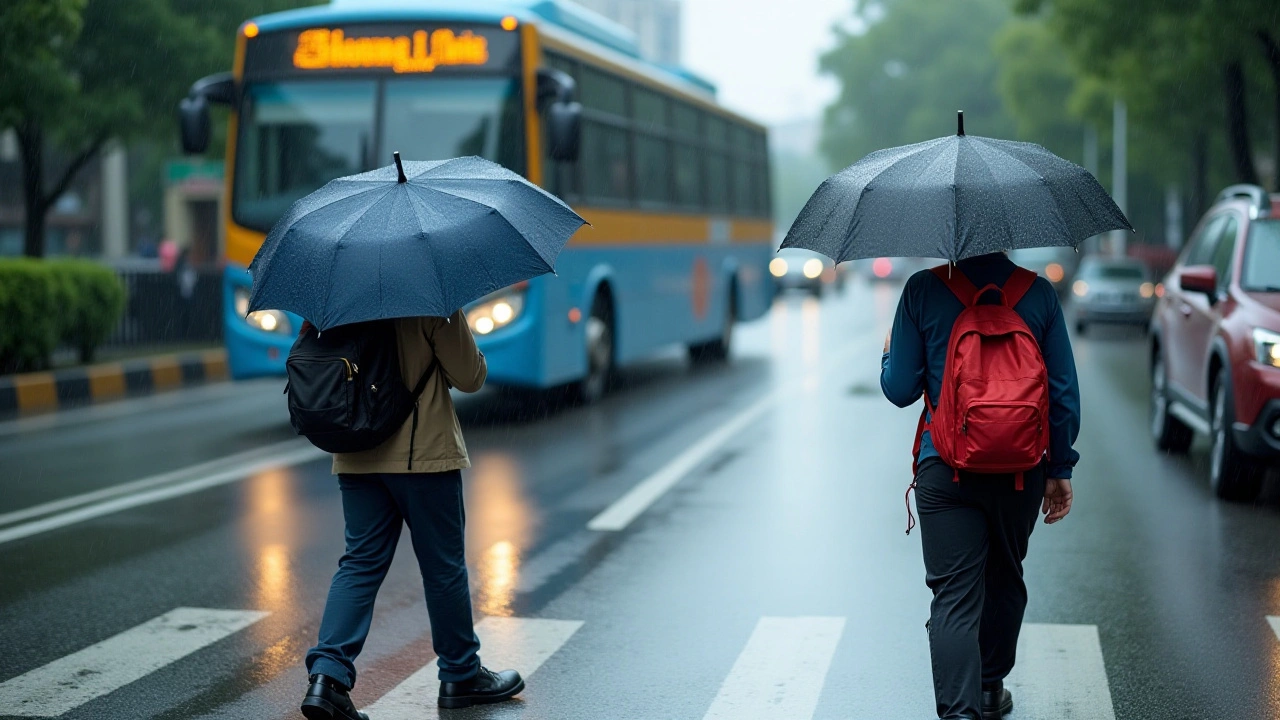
x=777, y=267
x=496, y=311
x=272, y=321
x=1054, y=272
x=1146, y=290
x=1080, y=288
x=1266, y=344
x=812, y=268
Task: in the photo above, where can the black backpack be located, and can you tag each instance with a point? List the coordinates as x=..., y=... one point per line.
x=346, y=393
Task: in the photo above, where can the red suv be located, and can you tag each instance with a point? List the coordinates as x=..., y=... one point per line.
x=1215, y=343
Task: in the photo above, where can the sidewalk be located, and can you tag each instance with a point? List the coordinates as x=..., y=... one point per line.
x=30, y=393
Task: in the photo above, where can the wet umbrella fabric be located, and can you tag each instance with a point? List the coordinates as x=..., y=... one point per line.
x=952, y=198
x=372, y=246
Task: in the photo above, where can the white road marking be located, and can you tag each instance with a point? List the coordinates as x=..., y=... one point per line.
x=69, y=682
x=1060, y=674
x=155, y=489
x=627, y=508
x=522, y=644
x=1275, y=624
x=780, y=673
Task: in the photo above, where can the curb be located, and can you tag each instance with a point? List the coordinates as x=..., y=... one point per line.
x=37, y=392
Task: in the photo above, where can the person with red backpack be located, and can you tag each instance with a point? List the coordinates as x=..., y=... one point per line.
x=985, y=343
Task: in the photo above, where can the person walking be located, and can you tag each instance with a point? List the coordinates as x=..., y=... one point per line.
x=414, y=478
x=975, y=527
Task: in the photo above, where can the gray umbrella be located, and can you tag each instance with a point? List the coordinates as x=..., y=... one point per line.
x=422, y=239
x=954, y=197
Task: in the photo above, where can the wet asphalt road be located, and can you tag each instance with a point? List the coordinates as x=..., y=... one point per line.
x=796, y=511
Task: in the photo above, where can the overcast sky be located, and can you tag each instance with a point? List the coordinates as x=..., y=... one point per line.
x=763, y=54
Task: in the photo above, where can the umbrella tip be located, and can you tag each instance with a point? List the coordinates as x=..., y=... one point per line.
x=399, y=167
x=960, y=122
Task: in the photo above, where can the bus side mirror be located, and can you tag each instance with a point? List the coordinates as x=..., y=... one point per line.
x=564, y=130
x=193, y=124
x=193, y=110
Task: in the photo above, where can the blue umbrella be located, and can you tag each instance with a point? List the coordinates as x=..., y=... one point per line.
x=952, y=198
x=410, y=239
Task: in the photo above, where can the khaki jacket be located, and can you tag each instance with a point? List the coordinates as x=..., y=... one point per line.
x=437, y=443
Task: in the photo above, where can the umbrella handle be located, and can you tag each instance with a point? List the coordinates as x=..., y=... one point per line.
x=960, y=123
x=399, y=168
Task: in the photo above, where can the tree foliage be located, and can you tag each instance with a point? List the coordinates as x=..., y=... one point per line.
x=906, y=73
x=77, y=74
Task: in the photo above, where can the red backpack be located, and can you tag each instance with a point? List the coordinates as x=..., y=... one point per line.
x=993, y=411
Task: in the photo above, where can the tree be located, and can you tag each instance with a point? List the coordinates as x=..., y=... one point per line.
x=1186, y=68
x=77, y=74
x=903, y=77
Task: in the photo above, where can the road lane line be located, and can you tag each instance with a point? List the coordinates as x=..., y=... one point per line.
x=299, y=454
x=71, y=681
x=1275, y=624
x=165, y=478
x=1060, y=674
x=781, y=671
x=639, y=498
x=522, y=644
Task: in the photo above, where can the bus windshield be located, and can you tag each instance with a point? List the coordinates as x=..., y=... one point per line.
x=296, y=136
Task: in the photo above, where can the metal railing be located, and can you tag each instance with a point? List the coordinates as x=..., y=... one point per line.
x=170, y=307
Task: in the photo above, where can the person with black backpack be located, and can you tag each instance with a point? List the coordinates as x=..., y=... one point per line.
x=376, y=394
x=985, y=343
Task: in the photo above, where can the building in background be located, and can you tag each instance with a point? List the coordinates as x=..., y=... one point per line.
x=656, y=24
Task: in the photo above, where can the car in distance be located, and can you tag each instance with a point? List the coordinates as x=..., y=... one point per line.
x=1115, y=291
x=1055, y=264
x=893, y=268
x=800, y=269
x=1215, y=343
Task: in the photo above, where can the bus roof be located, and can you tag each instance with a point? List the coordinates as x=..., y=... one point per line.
x=563, y=14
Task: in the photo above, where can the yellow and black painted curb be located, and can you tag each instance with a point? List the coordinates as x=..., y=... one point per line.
x=37, y=392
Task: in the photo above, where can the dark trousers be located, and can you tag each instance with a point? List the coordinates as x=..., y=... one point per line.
x=375, y=506
x=974, y=534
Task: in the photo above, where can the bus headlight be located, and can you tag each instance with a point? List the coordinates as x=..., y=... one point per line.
x=1267, y=346
x=777, y=267
x=496, y=311
x=812, y=268
x=272, y=321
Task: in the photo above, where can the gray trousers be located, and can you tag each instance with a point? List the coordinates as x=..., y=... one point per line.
x=974, y=533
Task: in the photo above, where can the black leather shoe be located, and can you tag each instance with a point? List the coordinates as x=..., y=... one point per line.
x=486, y=687
x=327, y=699
x=996, y=701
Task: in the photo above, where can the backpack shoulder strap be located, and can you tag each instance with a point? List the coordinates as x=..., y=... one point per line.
x=1017, y=285
x=960, y=286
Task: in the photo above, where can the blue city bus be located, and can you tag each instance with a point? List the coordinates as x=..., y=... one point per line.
x=675, y=187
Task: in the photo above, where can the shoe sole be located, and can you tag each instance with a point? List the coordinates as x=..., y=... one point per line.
x=466, y=701
x=314, y=708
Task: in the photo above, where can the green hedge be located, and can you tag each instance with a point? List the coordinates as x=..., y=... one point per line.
x=45, y=302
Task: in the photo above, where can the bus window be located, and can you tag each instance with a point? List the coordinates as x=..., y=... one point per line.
x=688, y=172
x=653, y=169
x=685, y=121
x=295, y=137
x=435, y=119
x=603, y=92
x=717, y=181
x=717, y=130
x=740, y=183
x=649, y=109
x=605, y=167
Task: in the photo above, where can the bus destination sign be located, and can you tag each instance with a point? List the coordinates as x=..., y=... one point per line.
x=382, y=48
x=421, y=52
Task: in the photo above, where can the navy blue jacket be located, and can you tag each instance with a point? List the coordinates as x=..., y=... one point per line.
x=922, y=328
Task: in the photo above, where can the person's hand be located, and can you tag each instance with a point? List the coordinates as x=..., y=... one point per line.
x=1057, y=499
x=886, y=340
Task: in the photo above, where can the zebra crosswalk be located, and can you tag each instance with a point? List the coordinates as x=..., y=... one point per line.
x=779, y=674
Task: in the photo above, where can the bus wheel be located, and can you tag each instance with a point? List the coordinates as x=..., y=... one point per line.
x=599, y=346
x=718, y=350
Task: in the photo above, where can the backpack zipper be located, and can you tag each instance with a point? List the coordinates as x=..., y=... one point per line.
x=351, y=369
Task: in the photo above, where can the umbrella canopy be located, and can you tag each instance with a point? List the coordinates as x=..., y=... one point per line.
x=954, y=197
x=407, y=240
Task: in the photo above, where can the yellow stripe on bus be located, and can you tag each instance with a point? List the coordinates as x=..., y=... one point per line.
x=608, y=227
